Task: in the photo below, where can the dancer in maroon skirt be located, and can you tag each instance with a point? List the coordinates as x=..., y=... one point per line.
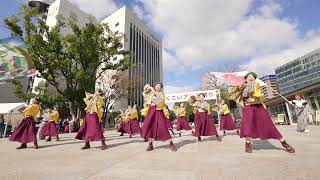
x=155, y=124
x=134, y=127
x=256, y=121
x=50, y=128
x=121, y=125
x=204, y=125
x=92, y=129
x=182, y=122
x=226, y=121
x=26, y=130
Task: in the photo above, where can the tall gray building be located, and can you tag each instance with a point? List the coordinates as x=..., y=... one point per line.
x=146, y=49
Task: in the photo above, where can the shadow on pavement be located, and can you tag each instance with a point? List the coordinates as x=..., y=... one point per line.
x=264, y=145
x=177, y=144
x=211, y=138
x=121, y=137
x=60, y=144
x=123, y=143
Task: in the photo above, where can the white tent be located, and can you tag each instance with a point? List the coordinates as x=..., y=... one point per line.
x=6, y=108
x=12, y=113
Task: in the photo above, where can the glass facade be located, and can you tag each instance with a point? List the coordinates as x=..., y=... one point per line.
x=299, y=73
x=146, y=57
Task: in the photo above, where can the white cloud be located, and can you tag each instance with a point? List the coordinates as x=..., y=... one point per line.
x=138, y=11
x=206, y=32
x=270, y=9
x=170, y=62
x=266, y=64
x=97, y=8
x=197, y=33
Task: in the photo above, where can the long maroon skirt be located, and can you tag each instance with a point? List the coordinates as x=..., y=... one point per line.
x=25, y=132
x=227, y=123
x=122, y=127
x=126, y=127
x=169, y=123
x=134, y=127
x=91, y=129
x=49, y=129
x=183, y=124
x=257, y=123
x=155, y=125
x=204, y=126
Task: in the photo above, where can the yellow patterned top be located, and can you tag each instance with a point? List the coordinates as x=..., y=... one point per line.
x=94, y=104
x=146, y=105
x=134, y=114
x=127, y=115
x=81, y=121
x=257, y=97
x=182, y=112
x=223, y=108
x=166, y=112
x=54, y=116
x=32, y=110
x=145, y=109
x=158, y=98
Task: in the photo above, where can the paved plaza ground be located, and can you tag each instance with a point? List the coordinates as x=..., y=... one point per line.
x=127, y=159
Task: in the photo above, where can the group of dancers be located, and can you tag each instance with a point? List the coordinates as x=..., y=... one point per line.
x=129, y=122
x=256, y=121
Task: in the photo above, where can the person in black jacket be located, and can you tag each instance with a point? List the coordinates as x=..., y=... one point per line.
x=2, y=125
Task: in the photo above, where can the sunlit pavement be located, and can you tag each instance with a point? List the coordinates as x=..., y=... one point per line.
x=126, y=158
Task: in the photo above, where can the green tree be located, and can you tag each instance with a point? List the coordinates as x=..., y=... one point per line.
x=47, y=99
x=69, y=62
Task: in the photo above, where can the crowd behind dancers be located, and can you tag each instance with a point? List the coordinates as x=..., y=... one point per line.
x=256, y=121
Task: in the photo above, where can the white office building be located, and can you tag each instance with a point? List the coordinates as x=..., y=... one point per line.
x=65, y=9
x=146, y=49
x=52, y=9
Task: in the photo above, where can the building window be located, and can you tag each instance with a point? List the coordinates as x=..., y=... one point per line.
x=117, y=24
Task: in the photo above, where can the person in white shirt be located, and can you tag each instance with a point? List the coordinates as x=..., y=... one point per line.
x=301, y=109
x=45, y=118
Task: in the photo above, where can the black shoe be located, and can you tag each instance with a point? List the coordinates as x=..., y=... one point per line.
x=199, y=139
x=49, y=139
x=219, y=138
x=22, y=146
x=248, y=147
x=289, y=149
x=150, y=147
x=36, y=145
x=103, y=145
x=86, y=146
x=173, y=147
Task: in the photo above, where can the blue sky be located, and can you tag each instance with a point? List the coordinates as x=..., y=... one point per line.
x=201, y=36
